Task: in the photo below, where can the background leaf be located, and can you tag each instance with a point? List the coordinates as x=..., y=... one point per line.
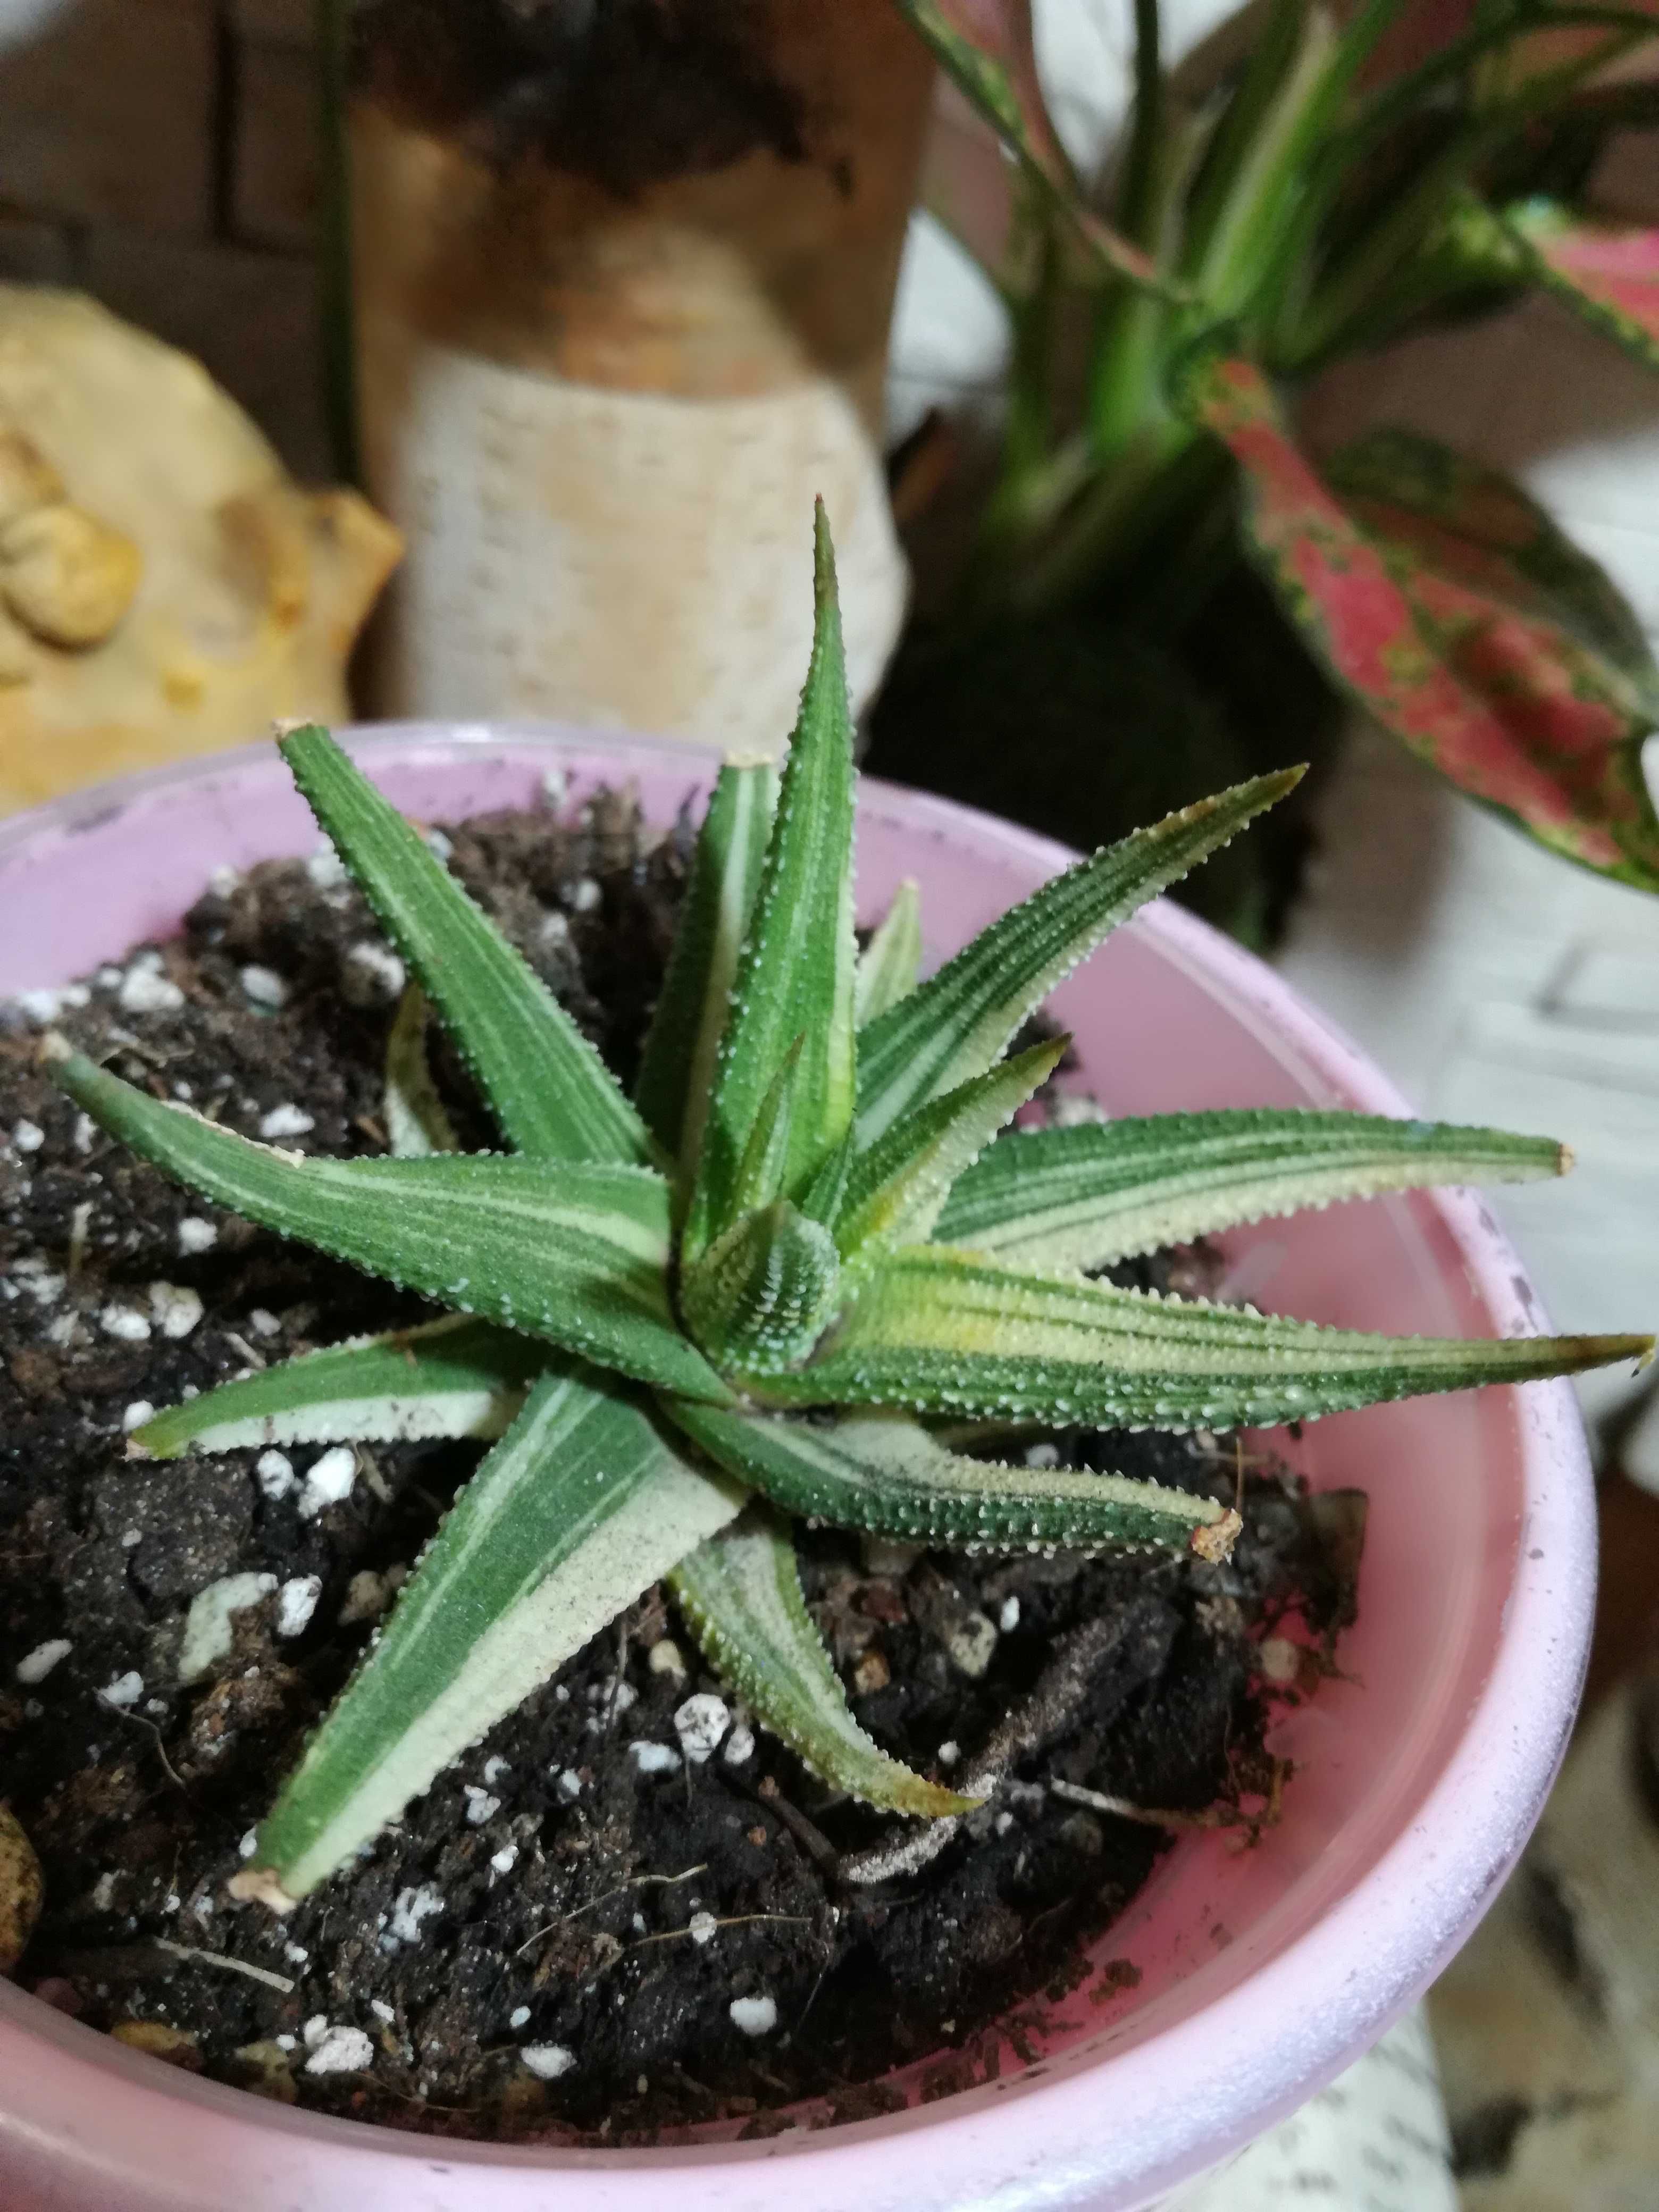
x=1563, y=770
x=1606, y=272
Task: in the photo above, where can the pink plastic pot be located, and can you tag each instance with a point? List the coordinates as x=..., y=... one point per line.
x=1263, y=1972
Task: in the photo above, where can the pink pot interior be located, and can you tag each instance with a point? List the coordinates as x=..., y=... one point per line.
x=1446, y=1476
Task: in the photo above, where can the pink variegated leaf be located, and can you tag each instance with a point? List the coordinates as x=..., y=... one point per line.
x=1465, y=668
x=987, y=49
x=1606, y=272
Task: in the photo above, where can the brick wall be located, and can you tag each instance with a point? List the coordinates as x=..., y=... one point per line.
x=160, y=155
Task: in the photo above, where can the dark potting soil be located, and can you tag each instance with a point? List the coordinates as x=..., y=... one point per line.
x=577, y=1929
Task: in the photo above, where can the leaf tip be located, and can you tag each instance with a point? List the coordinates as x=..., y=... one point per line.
x=1565, y=1160
x=260, y=1885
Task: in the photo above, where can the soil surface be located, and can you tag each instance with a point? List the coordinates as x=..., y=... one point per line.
x=577, y=1930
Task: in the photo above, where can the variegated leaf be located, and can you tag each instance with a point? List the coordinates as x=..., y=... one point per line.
x=796, y=972
x=987, y=49
x=418, y=1123
x=884, y=1474
x=741, y=1594
x=761, y=1295
x=581, y=1506
x=549, y=1089
x=959, y=1022
x=1565, y=778
x=1606, y=272
x=453, y=1378
x=942, y=1330
x=1084, y=1196
x=889, y=965
x=896, y=1189
x=676, y=1071
x=574, y=1254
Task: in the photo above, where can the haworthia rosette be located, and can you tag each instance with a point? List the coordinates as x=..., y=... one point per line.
x=547, y=1087
x=800, y=954
x=957, y=1024
x=741, y=1594
x=884, y=1474
x=890, y=966
x=452, y=1377
x=942, y=1330
x=677, y=1070
x=574, y=1254
x=581, y=1505
x=1084, y=1196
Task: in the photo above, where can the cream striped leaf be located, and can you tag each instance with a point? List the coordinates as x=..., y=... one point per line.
x=884, y=1474
x=574, y=1254
x=550, y=1091
x=889, y=965
x=1085, y=1196
x=942, y=1330
x=741, y=1592
x=581, y=1506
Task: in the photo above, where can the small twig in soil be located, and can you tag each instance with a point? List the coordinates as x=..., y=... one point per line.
x=737, y=1920
x=638, y=1882
x=1052, y=1704
x=255, y=1359
x=1212, y=1816
x=811, y=1837
x=265, y=1974
x=140, y=1721
x=80, y=1221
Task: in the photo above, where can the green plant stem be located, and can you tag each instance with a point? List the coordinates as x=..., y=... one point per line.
x=1137, y=210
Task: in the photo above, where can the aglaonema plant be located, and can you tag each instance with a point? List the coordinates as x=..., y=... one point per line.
x=758, y=1289
x=1242, y=236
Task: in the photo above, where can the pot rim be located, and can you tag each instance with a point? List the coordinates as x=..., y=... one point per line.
x=1261, y=2048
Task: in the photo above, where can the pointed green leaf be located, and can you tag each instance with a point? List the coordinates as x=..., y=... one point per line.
x=1606, y=272
x=762, y=1294
x=581, y=1506
x=959, y=1022
x=799, y=960
x=676, y=1071
x=890, y=966
x=741, y=1594
x=941, y=1330
x=574, y=1254
x=884, y=1474
x=1085, y=1196
x=1472, y=696
x=453, y=1378
x=765, y=1168
x=547, y=1088
x=418, y=1123
x=896, y=1189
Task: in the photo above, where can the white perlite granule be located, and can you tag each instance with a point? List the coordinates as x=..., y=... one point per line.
x=547, y=2061
x=274, y=1473
x=196, y=1235
x=28, y=1137
x=136, y=1414
x=286, y=1121
x=176, y=1310
x=371, y=972
x=209, y=1634
x=480, y=1805
x=754, y=2015
x=739, y=1746
x=329, y=1480
x=125, y=1324
x=295, y=1603
x=413, y=1906
x=519, y=2017
x=505, y=1859
x=340, y=2050
x=34, y=1666
x=701, y=1926
x=569, y=1783
x=652, y=1758
x=125, y=1690
x=700, y=1723
x=146, y=990
x=264, y=986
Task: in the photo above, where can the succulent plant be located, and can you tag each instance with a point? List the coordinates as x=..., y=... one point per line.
x=763, y=1287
